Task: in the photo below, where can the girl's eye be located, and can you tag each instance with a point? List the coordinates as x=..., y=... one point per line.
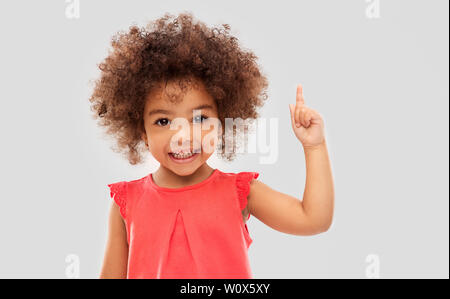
x=163, y=120
x=199, y=117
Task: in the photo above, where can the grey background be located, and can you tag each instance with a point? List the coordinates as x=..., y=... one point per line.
x=380, y=84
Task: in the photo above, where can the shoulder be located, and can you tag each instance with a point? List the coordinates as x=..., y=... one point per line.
x=120, y=192
x=240, y=177
x=243, y=182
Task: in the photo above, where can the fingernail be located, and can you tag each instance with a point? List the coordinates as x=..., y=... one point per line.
x=297, y=124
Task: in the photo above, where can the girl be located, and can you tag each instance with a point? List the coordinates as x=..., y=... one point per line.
x=188, y=220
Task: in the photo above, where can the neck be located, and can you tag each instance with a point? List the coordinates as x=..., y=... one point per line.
x=164, y=177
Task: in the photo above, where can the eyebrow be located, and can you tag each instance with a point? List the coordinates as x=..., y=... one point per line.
x=163, y=111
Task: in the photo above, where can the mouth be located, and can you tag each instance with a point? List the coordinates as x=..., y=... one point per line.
x=183, y=157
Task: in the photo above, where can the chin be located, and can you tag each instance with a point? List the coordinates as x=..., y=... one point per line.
x=184, y=169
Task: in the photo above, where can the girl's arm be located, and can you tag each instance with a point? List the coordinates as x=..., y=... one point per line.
x=286, y=213
x=116, y=256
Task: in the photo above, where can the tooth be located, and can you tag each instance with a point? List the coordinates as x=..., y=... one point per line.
x=182, y=155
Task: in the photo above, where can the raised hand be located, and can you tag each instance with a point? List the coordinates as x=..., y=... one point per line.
x=307, y=123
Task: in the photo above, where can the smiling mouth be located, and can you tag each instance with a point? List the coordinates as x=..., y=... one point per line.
x=181, y=155
x=183, y=159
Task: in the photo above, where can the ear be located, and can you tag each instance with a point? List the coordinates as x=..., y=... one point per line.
x=144, y=137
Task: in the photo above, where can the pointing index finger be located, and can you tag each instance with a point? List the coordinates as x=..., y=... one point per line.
x=300, y=99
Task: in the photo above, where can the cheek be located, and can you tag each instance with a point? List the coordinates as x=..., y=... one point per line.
x=157, y=143
x=209, y=142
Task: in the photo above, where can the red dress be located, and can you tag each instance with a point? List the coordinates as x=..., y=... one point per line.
x=195, y=231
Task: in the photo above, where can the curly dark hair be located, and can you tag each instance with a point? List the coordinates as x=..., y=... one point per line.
x=173, y=47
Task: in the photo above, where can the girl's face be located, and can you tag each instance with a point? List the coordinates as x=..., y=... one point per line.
x=187, y=126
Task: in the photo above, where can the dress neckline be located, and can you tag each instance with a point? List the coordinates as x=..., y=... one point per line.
x=197, y=185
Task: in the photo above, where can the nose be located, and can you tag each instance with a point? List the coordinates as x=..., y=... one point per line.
x=182, y=138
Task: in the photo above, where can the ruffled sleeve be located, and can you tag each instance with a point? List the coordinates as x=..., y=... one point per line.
x=118, y=192
x=243, y=180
